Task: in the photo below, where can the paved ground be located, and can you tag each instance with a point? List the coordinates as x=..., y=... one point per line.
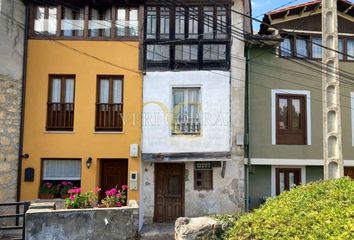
x=158, y=232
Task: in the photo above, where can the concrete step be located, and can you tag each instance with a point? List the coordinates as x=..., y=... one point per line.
x=157, y=232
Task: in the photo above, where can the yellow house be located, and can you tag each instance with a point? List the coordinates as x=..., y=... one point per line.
x=83, y=97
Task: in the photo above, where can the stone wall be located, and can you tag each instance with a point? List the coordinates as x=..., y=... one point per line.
x=77, y=224
x=11, y=61
x=225, y=197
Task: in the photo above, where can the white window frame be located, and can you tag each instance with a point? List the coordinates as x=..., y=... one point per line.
x=273, y=176
x=352, y=110
x=308, y=111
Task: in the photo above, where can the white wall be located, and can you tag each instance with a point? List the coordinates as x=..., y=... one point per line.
x=215, y=101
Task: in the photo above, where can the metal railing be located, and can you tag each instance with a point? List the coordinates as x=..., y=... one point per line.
x=17, y=216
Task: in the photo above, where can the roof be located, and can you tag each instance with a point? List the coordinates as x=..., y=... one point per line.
x=343, y=6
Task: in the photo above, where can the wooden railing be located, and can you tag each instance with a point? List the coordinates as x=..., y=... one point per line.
x=16, y=216
x=109, y=117
x=60, y=116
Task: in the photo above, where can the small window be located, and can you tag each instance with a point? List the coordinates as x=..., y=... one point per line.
x=203, y=176
x=287, y=179
x=316, y=48
x=214, y=52
x=60, y=113
x=186, y=108
x=100, y=22
x=180, y=23
x=350, y=49
x=285, y=48
x=221, y=19
x=301, y=48
x=127, y=22
x=56, y=170
x=157, y=56
x=109, y=107
x=291, y=119
x=186, y=52
x=193, y=22
x=72, y=23
x=151, y=22
x=164, y=23
x=45, y=20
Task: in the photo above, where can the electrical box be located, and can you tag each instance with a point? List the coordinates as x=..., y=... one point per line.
x=134, y=150
x=240, y=139
x=133, y=184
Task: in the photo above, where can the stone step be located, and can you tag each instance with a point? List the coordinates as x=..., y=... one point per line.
x=158, y=232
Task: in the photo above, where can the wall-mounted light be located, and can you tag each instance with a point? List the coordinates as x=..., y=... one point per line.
x=89, y=162
x=25, y=156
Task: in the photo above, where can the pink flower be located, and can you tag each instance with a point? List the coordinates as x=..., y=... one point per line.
x=64, y=183
x=74, y=191
x=124, y=187
x=118, y=195
x=97, y=189
x=49, y=185
x=111, y=192
x=72, y=197
x=119, y=204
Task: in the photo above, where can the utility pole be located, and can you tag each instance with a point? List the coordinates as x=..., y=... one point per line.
x=332, y=120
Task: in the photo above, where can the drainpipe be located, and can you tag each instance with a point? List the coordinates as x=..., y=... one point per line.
x=22, y=107
x=248, y=128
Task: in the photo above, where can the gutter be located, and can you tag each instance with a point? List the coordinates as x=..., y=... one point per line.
x=23, y=101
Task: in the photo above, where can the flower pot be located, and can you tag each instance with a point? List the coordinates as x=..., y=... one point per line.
x=46, y=195
x=64, y=195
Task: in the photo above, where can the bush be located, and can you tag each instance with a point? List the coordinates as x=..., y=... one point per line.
x=320, y=210
x=227, y=222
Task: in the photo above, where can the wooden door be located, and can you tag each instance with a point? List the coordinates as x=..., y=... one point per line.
x=287, y=178
x=114, y=173
x=349, y=171
x=169, y=192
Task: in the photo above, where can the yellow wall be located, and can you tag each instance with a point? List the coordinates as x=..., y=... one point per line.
x=49, y=57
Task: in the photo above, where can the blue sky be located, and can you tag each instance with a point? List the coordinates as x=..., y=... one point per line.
x=259, y=7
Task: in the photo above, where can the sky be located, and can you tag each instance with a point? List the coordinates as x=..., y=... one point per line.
x=260, y=7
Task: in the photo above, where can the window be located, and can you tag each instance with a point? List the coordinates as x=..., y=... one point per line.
x=301, y=48
x=291, y=119
x=287, y=179
x=127, y=22
x=151, y=17
x=60, y=114
x=350, y=49
x=203, y=176
x=285, y=48
x=340, y=48
x=198, y=50
x=100, y=22
x=317, y=49
x=57, y=169
x=72, y=23
x=45, y=20
x=109, y=107
x=186, y=108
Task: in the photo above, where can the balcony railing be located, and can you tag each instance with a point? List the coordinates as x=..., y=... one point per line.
x=186, y=126
x=109, y=117
x=60, y=116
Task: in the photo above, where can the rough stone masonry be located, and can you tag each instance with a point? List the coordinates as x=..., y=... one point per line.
x=12, y=18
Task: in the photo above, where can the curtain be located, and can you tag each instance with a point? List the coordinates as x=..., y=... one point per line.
x=316, y=50
x=350, y=48
x=61, y=170
x=56, y=90
x=178, y=104
x=69, y=91
x=193, y=103
x=117, y=91
x=104, y=90
x=285, y=48
x=301, y=49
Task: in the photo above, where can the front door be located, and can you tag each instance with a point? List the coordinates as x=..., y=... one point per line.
x=169, y=192
x=114, y=173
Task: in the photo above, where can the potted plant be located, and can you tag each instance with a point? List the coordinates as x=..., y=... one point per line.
x=115, y=198
x=64, y=188
x=81, y=200
x=47, y=190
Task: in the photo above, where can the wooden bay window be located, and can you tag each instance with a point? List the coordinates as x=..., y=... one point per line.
x=109, y=106
x=291, y=119
x=60, y=113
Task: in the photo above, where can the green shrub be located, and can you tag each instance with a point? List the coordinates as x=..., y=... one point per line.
x=227, y=222
x=320, y=210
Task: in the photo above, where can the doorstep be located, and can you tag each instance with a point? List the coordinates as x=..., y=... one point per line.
x=158, y=231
